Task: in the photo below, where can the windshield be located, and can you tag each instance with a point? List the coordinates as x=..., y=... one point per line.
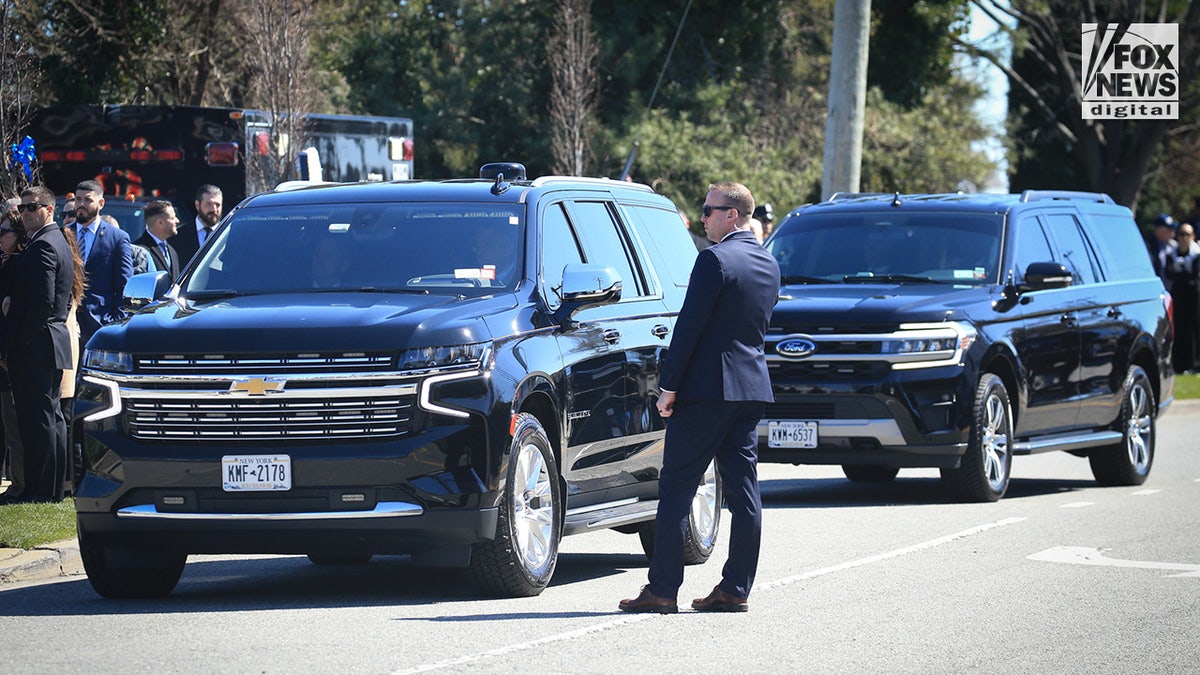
x=961, y=249
x=462, y=249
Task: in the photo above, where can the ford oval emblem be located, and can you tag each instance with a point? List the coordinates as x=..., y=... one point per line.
x=795, y=347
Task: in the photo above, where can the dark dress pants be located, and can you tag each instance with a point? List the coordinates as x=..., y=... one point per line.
x=36, y=389
x=696, y=433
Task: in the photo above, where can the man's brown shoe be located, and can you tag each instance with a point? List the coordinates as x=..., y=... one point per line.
x=720, y=601
x=646, y=603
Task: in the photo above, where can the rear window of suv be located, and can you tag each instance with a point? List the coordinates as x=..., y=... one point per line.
x=1117, y=238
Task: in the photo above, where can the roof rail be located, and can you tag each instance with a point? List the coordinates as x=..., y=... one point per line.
x=289, y=185
x=606, y=182
x=1038, y=195
x=837, y=196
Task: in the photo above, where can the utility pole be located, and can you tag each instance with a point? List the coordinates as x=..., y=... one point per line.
x=847, y=94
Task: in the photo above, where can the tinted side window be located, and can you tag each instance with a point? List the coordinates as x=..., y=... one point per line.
x=1120, y=244
x=559, y=249
x=666, y=232
x=1073, y=250
x=604, y=244
x=1031, y=245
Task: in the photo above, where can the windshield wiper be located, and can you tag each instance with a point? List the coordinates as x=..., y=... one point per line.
x=802, y=279
x=888, y=278
x=213, y=294
x=370, y=289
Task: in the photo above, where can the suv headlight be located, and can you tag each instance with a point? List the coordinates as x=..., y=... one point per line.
x=436, y=358
x=929, y=345
x=112, y=362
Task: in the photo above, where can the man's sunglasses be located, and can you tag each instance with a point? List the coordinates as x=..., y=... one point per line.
x=5, y=230
x=30, y=207
x=709, y=209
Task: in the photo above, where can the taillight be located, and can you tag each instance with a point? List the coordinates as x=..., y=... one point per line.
x=52, y=156
x=221, y=154
x=169, y=155
x=400, y=148
x=140, y=155
x=408, y=149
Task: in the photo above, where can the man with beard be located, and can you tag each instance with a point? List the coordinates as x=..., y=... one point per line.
x=37, y=345
x=161, y=225
x=107, y=259
x=208, y=214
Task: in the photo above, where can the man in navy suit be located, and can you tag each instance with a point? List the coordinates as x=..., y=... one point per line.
x=107, y=258
x=714, y=387
x=161, y=225
x=37, y=345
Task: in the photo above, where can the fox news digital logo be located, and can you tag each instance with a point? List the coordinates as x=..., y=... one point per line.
x=1130, y=71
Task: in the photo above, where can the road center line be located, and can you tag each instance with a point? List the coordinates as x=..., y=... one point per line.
x=630, y=619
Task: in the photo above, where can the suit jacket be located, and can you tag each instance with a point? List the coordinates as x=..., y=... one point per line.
x=147, y=242
x=717, y=349
x=186, y=241
x=42, y=277
x=109, y=265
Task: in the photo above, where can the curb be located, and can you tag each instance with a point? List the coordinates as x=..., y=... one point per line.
x=60, y=559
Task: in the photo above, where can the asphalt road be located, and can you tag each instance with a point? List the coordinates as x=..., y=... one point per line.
x=1061, y=576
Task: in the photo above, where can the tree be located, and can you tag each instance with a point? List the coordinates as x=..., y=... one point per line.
x=20, y=90
x=1053, y=145
x=571, y=52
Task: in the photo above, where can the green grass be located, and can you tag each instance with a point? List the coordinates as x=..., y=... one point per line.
x=1187, y=386
x=29, y=525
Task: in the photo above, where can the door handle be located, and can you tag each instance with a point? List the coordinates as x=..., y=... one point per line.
x=660, y=331
x=612, y=335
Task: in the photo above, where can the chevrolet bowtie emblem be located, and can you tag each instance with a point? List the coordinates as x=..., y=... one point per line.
x=257, y=386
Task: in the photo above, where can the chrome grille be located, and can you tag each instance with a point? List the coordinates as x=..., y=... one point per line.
x=262, y=364
x=242, y=419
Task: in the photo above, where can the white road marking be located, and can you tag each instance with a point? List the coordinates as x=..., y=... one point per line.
x=1082, y=555
x=1147, y=491
x=1075, y=505
x=637, y=618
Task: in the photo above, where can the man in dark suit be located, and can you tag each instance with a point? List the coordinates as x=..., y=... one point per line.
x=161, y=225
x=1162, y=246
x=714, y=385
x=209, y=204
x=107, y=258
x=37, y=345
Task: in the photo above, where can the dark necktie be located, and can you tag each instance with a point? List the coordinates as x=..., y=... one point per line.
x=162, y=246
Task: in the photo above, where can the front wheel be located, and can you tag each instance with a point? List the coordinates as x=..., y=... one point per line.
x=520, y=560
x=121, y=572
x=984, y=472
x=1128, y=462
x=704, y=522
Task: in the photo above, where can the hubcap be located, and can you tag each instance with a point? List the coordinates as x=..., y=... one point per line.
x=1138, y=432
x=995, y=443
x=532, y=508
x=705, y=506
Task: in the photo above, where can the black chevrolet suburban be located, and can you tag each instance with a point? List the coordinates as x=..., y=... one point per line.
x=460, y=370
x=956, y=331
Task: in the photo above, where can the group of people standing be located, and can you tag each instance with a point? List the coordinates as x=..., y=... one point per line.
x=59, y=283
x=1175, y=255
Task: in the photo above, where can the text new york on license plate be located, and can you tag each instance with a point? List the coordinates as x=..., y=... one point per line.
x=791, y=434
x=246, y=473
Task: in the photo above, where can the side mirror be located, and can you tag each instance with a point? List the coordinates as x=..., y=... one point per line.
x=142, y=289
x=587, y=286
x=1042, y=275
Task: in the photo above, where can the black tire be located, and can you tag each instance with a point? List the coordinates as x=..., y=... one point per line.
x=121, y=572
x=520, y=560
x=318, y=559
x=870, y=473
x=1129, y=462
x=986, y=467
x=703, y=526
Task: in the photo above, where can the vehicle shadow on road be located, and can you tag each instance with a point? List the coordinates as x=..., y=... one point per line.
x=292, y=582
x=817, y=493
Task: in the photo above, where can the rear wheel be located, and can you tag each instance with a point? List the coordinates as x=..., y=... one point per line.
x=1129, y=462
x=870, y=473
x=984, y=472
x=122, y=572
x=704, y=522
x=520, y=560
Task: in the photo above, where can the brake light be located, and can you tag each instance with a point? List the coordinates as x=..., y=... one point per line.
x=52, y=156
x=221, y=154
x=140, y=155
x=76, y=156
x=168, y=155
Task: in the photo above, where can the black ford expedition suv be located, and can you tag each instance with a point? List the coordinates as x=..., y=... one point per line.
x=955, y=331
x=462, y=370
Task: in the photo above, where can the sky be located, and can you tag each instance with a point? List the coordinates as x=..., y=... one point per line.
x=994, y=106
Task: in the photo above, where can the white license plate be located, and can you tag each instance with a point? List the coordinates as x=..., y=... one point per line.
x=252, y=473
x=791, y=434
